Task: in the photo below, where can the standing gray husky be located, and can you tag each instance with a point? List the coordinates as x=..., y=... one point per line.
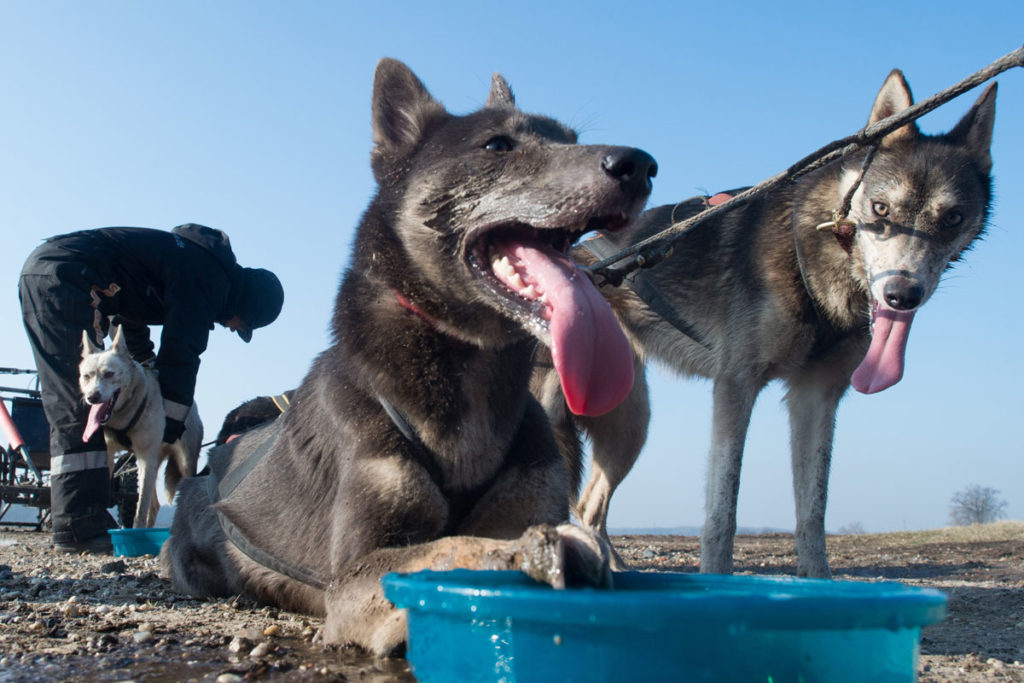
x=413, y=442
x=759, y=294
x=126, y=403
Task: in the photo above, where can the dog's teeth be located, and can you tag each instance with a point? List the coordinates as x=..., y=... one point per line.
x=516, y=281
x=502, y=266
x=530, y=292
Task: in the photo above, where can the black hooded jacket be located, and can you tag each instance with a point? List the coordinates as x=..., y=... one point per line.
x=185, y=280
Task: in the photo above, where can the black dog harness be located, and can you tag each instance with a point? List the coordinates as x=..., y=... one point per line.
x=281, y=402
x=220, y=490
x=459, y=504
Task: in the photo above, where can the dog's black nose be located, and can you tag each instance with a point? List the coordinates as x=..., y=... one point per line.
x=903, y=293
x=632, y=167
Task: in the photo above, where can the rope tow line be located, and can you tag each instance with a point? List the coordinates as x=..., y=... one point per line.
x=656, y=248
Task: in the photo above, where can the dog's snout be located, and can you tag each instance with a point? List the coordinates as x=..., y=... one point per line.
x=632, y=167
x=903, y=293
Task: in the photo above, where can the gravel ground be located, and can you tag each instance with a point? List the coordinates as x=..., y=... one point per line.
x=100, y=618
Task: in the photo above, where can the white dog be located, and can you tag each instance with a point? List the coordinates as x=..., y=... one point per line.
x=126, y=403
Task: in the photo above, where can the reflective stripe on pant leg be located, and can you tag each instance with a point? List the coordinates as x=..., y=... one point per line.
x=76, y=462
x=79, y=500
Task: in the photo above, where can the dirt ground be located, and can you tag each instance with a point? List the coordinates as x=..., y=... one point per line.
x=100, y=618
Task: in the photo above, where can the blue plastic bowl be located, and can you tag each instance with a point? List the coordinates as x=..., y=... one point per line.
x=135, y=542
x=502, y=626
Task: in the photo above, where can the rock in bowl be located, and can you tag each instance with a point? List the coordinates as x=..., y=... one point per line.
x=135, y=542
x=502, y=626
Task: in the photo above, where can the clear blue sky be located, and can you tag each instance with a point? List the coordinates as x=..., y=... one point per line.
x=254, y=117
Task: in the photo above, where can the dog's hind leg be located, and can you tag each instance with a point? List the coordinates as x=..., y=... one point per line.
x=733, y=403
x=172, y=476
x=617, y=439
x=183, y=455
x=812, y=406
x=178, y=467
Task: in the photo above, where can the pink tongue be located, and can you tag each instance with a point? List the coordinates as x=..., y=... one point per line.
x=591, y=354
x=96, y=415
x=882, y=367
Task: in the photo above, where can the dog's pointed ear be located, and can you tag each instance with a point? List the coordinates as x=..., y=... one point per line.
x=893, y=98
x=119, y=343
x=402, y=108
x=501, y=95
x=975, y=129
x=88, y=348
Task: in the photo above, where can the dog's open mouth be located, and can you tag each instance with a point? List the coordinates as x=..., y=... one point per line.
x=529, y=271
x=99, y=415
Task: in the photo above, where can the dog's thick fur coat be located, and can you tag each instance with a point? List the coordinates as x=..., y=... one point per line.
x=126, y=402
x=414, y=442
x=768, y=296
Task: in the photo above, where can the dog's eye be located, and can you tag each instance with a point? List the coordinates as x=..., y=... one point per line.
x=881, y=209
x=108, y=374
x=499, y=144
x=953, y=218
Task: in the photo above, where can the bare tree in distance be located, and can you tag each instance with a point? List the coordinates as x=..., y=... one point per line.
x=976, y=505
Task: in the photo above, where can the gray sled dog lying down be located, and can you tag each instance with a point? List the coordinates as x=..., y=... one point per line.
x=125, y=401
x=758, y=294
x=414, y=442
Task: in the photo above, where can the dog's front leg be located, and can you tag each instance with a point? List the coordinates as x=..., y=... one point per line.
x=812, y=418
x=733, y=403
x=358, y=612
x=617, y=438
x=147, y=458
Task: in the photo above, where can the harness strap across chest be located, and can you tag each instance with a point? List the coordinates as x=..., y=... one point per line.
x=459, y=503
x=602, y=248
x=122, y=432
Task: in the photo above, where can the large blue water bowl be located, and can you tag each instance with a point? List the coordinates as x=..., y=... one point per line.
x=502, y=626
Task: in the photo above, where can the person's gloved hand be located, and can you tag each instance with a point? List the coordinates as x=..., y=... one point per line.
x=173, y=429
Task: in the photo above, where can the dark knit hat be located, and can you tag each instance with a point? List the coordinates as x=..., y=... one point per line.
x=259, y=301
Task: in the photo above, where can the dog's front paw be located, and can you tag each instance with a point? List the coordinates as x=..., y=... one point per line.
x=587, y=557
x=564, y=555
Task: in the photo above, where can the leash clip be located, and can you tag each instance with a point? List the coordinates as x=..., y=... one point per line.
x=842, y=227
x=649, y=259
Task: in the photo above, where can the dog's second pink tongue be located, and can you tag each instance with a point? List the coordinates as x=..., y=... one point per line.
x=882, y=367
x=97, y=414
x=590, y=352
